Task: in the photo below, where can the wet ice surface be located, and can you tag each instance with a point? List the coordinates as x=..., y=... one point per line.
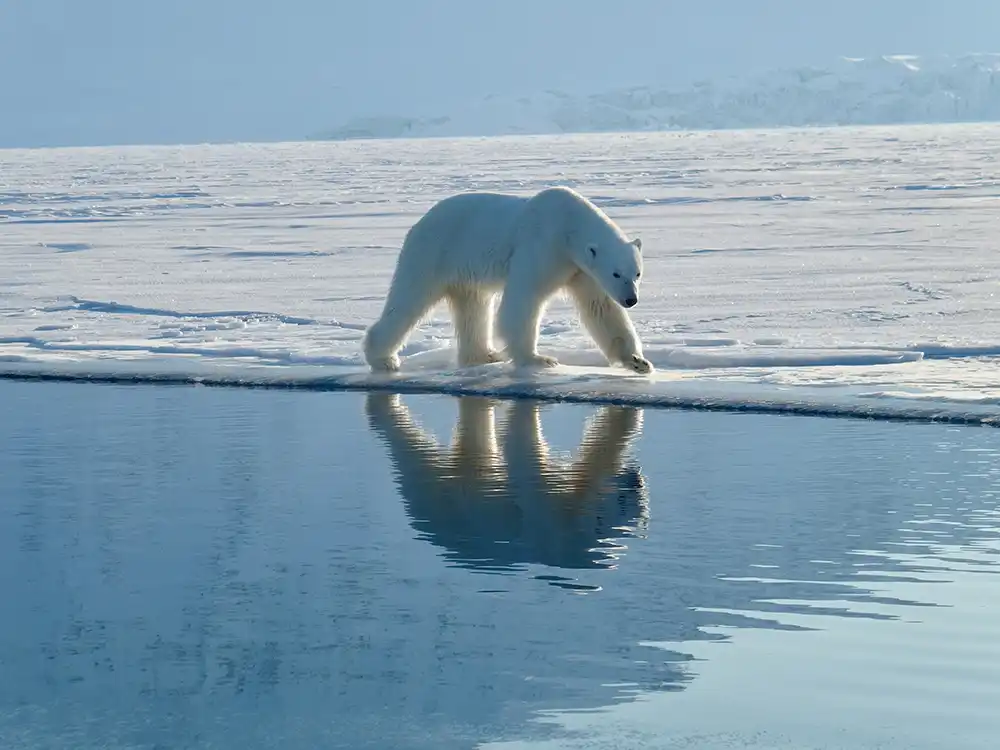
x=824, y=271
x=190, y=567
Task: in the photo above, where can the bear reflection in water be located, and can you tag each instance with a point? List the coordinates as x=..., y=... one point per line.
x=495, y=498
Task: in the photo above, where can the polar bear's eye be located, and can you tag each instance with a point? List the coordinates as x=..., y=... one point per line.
x=617, y=275
x=593, y=251
x=638, y=274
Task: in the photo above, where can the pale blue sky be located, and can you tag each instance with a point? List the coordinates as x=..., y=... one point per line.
x=148, y=71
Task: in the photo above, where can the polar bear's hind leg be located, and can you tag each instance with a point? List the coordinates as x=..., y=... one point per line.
x=405, y=305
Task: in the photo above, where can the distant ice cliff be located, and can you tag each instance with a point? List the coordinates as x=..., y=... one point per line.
x=852, y=91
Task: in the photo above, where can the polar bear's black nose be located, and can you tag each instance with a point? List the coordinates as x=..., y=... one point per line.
x=631, y=302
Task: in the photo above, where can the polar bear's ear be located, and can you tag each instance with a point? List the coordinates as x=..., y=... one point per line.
x=638, y=244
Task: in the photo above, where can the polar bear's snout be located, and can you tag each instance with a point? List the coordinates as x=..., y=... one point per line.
x=628, y=296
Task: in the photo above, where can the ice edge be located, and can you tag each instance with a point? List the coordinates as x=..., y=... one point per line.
x=551, y=393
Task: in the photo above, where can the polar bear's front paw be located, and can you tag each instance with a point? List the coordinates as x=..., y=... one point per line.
x=480, y=358
x=543, y=360
x=536, y=361
x=385, y=364
x=639, y=364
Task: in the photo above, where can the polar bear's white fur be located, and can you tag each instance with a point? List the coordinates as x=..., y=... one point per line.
x=470, y=246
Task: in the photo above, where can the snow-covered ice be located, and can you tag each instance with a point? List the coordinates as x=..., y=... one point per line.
x=836, y=271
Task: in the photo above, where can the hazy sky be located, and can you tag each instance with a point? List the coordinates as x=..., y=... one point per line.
x=167, y=71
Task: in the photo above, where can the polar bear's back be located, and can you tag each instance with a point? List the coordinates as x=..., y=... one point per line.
x=465, y=236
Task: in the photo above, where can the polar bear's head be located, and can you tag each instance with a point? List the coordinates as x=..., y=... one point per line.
x=617, y=267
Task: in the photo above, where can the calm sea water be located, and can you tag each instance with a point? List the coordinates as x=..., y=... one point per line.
x=187, y=567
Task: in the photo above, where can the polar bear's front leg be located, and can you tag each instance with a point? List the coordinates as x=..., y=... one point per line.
x=524, y=298
x=472, y=310
x=517, y=324
x=608, y=324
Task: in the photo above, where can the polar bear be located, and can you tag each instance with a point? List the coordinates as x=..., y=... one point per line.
x=471, y=246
